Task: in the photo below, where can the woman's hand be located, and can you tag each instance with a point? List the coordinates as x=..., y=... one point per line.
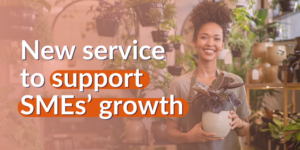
x=198, y=135
x=236, y=121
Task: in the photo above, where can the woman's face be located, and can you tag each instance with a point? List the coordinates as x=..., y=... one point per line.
x=209, y=41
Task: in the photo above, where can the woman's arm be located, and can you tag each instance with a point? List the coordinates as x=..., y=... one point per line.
x=238, y=123
x=194, y=135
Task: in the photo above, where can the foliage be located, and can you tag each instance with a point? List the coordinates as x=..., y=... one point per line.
x=107, y=11
x=168, y=15
x=240, y=17
x=11, y=53
x=20, y=131
x=218, y=92
x=260, y=29
x=237, y=41
x=176, y=39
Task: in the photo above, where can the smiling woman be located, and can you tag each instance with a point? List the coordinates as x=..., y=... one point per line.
x=210, y=21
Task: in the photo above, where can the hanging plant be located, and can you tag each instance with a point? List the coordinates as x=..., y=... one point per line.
x=18, y=19
x=151, y=13
x=177, y=40
x=107, y=17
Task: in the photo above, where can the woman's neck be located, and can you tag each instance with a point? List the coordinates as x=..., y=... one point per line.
x=207, y=69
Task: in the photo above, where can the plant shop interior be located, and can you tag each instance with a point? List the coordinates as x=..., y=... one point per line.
x=262, y=47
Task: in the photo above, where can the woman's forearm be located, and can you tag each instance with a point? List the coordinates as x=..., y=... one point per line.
x=176, y=136
x=244, y=131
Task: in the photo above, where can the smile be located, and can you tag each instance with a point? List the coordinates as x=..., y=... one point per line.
x=209, y=51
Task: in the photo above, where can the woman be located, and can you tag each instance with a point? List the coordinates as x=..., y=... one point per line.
x=211, y=21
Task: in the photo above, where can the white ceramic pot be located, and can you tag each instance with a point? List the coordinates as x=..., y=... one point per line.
x=134, y=130
x=216, y=123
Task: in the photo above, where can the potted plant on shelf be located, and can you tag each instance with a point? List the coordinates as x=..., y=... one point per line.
x=214, y=115
x=285, y=5
x=177, y=68
x=18, y=18
x=107, y=17
x=177, y=40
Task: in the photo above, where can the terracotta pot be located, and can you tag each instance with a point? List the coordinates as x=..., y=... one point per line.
x=276, y=54
x=107, y=27
x=143, y=10
x=134, y=130
x=297, y=47
x=260, y=76
x=216, y=123
x=273, y=75
x=259, y=50
x=158, y=129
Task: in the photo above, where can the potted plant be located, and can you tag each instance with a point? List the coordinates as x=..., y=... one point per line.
x=107, y=17
x=177, y=40
x=150, y=12
x=161, y=34
x=177, y=68
x=168, y=47
x=18, y=19
x=237, y=42
x=214, y=116
x=285, y=5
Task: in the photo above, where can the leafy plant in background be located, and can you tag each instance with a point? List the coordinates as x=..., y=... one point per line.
x=218, y=92
x=107, y=11
x=238, y=42
x=155, y=16
x=176, y=39
x=19, y=131
x=259, y=28
x=293, y=130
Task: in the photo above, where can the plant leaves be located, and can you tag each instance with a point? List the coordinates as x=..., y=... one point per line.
x=262, y=15
x=278, y=122
x=232, y=86
x=235, y=101
x=292, y=127
x=221, y=82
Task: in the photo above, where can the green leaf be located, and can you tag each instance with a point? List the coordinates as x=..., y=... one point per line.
x=160, y=64
x=45, y=4
x=264, y=130
x=262, y=15
x=278, y=122
x=292, y=127
x=298, y=136
x=289, y=136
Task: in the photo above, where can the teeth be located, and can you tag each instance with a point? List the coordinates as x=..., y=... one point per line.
x=210, y=51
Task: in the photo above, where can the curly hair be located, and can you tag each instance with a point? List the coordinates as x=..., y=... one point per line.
x=206, y=12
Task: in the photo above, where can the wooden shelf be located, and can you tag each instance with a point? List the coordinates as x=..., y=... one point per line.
x=285, y=86
x=148, y=143
x=264, y=86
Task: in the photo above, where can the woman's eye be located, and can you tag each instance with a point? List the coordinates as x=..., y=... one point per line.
x=217, y=39
x=203, y=37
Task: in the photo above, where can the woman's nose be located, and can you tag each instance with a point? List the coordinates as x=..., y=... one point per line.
x=210, y=42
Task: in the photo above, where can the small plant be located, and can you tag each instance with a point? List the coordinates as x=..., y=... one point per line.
x=237, y=41
x=176, y=39
x=215, y=94
x=106, y=10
